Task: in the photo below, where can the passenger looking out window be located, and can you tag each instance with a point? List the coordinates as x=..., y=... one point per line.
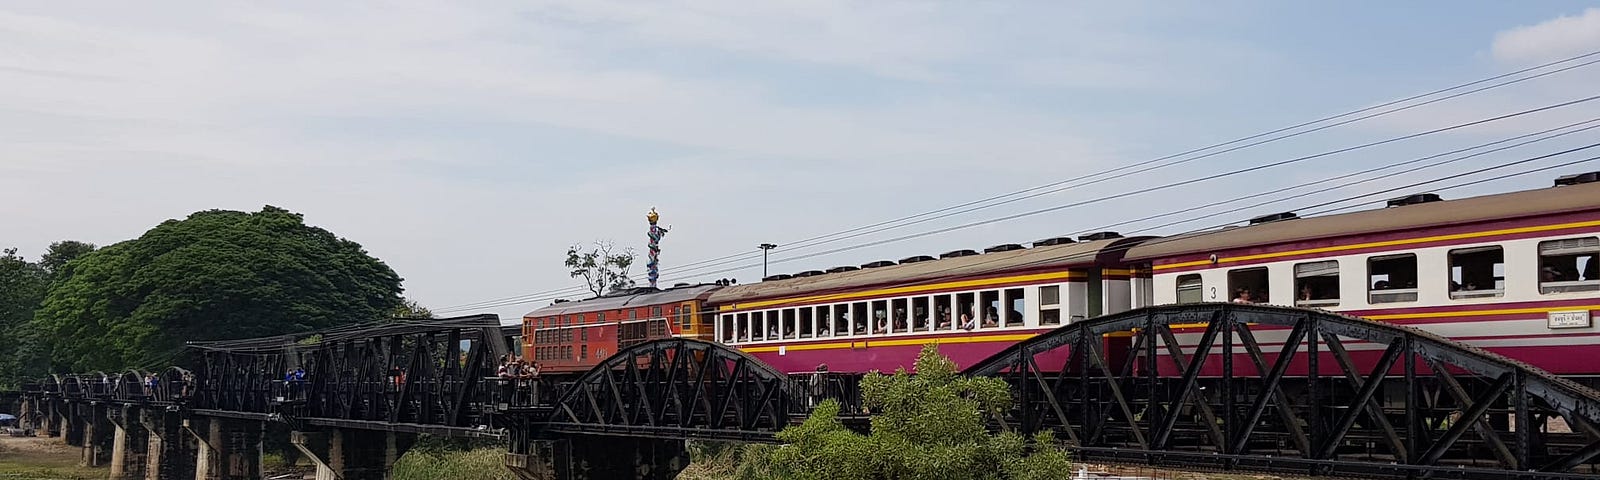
x=1249, y=285
x=1477, y=272
x=1317, y=284
x=1569, y=265
x=1392, y=278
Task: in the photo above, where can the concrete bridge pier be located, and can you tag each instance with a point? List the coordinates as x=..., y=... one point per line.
x=72, y=424
x=349, y=454
x=129, y=443
x=228, y=449
x=600, y=458
x=97, y=434
x=169, y=451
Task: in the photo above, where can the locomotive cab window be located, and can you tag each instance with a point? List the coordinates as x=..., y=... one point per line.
x=1392, y=278
x=1248, y=285
x=1569, y=265
x=1190, y=289
x=1316, y=284
x=1477, y=272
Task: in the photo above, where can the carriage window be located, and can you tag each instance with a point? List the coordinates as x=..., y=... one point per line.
x=989, y=309
x=788, y=323
x=880, y=317
x=1050, y=305
x=655, y=312
x=1190, y=289
x=966, y=311
x=1569, y=265
x=1477, y=272
x=858, y=315
x=1012, y=307
x=806, y=328
x=898, y=319
x=727, y=329
x=941, y=312
x=824, y=321
x=921, y=312
x=841, y=319
x=1248, y=285
x=1392, y=278
x=1316, y=284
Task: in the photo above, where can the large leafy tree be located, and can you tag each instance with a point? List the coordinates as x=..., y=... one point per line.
x=55, y=259
x=928, y=426
x=22, y=287
x=214, y=275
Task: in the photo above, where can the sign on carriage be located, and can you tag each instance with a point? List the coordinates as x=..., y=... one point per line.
x=1569, y=319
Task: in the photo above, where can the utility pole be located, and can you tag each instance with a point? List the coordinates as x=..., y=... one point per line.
x=765, y=247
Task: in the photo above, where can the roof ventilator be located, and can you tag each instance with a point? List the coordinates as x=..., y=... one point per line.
x=781, y=276
x=918, y=258
x=1099, y=236
x=845, y=268
x=957, y=253
x=879, y=263
x=1414, y=199
x=1577, y=179
x=809, y=273
x=1003, y=248
x=1276, y=217
x=1053, y=241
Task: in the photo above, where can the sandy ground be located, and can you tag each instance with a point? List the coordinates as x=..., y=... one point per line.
x=35, y=458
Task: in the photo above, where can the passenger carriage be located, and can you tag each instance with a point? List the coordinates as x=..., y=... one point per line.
x=1514, y=273
x=877, y=316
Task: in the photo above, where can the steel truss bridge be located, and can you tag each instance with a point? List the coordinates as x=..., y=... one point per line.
x=1213, y=386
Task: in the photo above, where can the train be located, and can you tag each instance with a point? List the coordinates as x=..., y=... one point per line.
x=1515, y=273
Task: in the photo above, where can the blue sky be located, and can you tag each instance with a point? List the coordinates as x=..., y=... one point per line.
x=468, y=145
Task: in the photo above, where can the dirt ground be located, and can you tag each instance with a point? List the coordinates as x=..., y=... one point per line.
x=36, y=458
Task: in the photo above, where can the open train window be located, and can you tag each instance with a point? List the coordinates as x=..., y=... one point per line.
x=1191, y=289
x=1392, y=278
x=727, y=329
x=899, y=321
x=921, y=313
x=880, y=317
x=1477, y=272
x=1316, y=284
x=806, y=328
x=966, y=311
x=989, y=309
x=1248, y=285
x=841, y=319
x=858, y=317
x=1012, y=307
x=1569, y=265
x=788, y=327
x=941, y=313
x=1050, y=305
x=825, y=327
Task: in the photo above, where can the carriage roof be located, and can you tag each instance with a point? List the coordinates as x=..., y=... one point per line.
x=638, y=297
x=1529, y=203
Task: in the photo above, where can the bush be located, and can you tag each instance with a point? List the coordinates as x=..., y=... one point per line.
x=928, y=426
x=483, y=463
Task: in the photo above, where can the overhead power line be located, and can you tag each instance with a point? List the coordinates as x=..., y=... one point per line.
x=855, y=232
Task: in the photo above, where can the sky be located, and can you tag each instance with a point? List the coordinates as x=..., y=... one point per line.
x=468, y=144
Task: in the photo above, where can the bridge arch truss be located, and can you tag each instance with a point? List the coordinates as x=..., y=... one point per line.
x=677, y=388
x=1249, y=386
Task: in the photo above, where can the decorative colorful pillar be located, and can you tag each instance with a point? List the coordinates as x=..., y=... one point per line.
x=656, y=232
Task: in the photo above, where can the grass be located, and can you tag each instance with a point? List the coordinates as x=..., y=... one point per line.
x=482, y=463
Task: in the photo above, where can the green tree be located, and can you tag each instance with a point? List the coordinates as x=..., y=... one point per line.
x=601, y=270
x=409, y=308
x=60, y=253
x=214, y=275
x=928, y=426
x=22, y=287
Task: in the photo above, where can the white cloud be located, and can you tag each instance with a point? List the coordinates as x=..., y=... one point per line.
x=1552, y=39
